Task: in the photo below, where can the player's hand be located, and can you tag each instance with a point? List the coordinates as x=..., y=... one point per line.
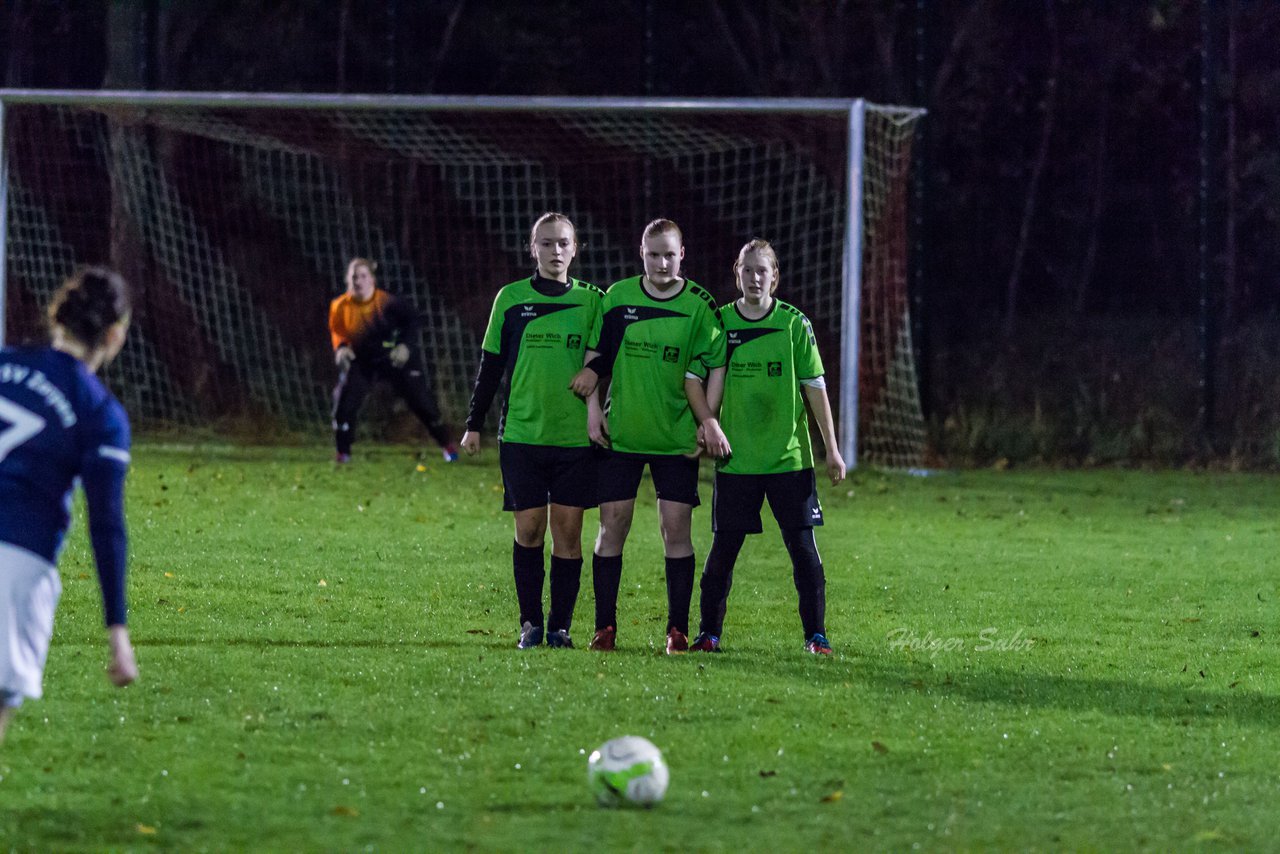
x=598, y=427
x=584, y=383
x=835, y=466
x=470, y=443
x=343, y=357
x=123, y=668
x=399, y=355
x=713, y=439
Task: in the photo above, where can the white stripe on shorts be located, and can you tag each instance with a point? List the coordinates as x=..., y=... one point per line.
x=29, y=591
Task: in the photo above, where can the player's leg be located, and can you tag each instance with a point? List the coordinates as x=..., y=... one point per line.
x=714, y=587
x=525, y=495
x=528, y=568
x=606, y=568
x=29, y=593
x=619, y=481
x=735, y=512
x=566, y=571
x=675, y=479
x=676, y=523
x=573, y=489
x=348, y=395
x=811, y=585
x=793, y=497
x=411, y=382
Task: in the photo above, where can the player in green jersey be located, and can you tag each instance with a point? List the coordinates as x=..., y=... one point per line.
x=773, y=368
x=537, y=333
x=658, y=338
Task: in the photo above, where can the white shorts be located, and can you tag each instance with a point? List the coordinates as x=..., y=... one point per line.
x=29, y=591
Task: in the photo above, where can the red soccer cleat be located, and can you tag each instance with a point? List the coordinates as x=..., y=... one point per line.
x=677, y=642
x=604, y=639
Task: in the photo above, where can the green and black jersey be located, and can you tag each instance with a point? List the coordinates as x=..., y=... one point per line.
x=652, y=343
x=538, y=330
x=763, y=413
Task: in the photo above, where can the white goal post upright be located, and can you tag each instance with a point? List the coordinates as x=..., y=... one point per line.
x=236, y=211
x=851, y=322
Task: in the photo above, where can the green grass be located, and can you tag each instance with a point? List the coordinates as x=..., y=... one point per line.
x=328, y=664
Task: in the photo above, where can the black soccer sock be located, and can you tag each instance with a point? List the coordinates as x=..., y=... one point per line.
x=566, y=577
x=811, y=583
x=529, y=573
x=717, y=580
x=679, y=592
x=606, y=577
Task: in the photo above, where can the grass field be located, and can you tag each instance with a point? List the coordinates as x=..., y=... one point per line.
x=1024, y=660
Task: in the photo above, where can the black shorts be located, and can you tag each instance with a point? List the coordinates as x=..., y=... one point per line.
x=675, y=477
x=536, y=475
x=793, y=498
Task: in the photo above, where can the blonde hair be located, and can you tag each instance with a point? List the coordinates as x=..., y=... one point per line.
x=360, y=262
x=662, y=226
x=762, y=247
x=552, y=216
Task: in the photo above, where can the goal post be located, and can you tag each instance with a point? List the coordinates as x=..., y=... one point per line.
x=233, y=215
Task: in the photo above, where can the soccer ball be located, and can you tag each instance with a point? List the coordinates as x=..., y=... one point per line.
x=627, y=770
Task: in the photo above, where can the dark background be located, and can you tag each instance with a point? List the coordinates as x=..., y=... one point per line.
x=1080, y=295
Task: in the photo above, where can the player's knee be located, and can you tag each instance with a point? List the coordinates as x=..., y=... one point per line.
x=615, y=524
x=567, y=548
x=530, y=534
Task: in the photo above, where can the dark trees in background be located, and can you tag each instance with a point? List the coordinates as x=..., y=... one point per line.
x=1062, y=144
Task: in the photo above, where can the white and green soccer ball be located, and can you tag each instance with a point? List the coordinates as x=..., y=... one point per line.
x=628, y=770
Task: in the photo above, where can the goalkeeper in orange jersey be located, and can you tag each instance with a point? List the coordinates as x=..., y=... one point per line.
x=375, y=336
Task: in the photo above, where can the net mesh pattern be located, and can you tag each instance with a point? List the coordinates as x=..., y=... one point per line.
x=235, y=225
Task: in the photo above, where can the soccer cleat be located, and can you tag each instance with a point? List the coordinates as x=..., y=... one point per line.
x=677, y=642
x=342, y=459
x=818, y=644
x=604, y=639
x=450, y=453
x=559, y=639
x=705, y=642
x=530, y=636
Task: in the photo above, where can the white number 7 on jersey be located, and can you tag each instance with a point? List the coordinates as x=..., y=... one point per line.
x=23, y=424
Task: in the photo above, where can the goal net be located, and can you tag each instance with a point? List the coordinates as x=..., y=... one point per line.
x=233, y=218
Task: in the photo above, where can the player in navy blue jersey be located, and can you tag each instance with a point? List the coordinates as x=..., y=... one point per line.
x=58, y=423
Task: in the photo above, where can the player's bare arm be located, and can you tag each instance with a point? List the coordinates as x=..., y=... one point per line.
x=586, y=380
x=717, y=444
x=820, y=405
x=597, y=423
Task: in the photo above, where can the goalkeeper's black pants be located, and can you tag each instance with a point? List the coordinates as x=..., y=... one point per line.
x=408, y=381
